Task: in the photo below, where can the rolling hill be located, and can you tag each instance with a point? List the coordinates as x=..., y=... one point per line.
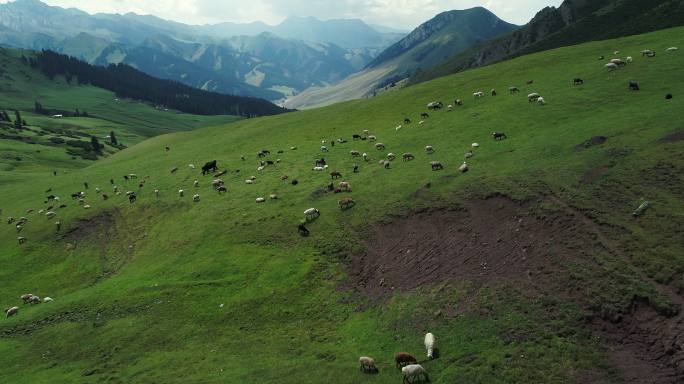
x=43, y=144
x=575, y=21
x=528, y=268
x=428, y=45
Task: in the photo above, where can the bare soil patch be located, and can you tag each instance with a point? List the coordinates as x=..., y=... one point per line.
x=673, y=137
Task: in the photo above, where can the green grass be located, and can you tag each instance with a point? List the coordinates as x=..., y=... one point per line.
x=138, y=297
x=21, y=86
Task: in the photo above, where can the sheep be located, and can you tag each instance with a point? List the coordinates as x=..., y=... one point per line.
x=458, y=102
x=48, y=299
x=318, y=169
x=87, y=206
x=629, y=59
x=478, y=94
x=616, y=53
x=311, y=214
x=475, y=145
x=367, y=364
x=344, y=185
x=19, y=227
x=672, y=49
x=436, y=165
x=513, y=90
x=49, y=215
x=13, y=311
x=380, y=146
x=633, y=85
x=26, y=298
x=217, y=183
x=35, y=300
x=196, y=198
x=105, y=197
x=156, y=193
x=372, y=138
x=463, y=168
x=541, y=101
x=493, y=92
x=10, y=220
x=421, y=122
x=191, y=166
x=273, y=196
x=324, y=148
x=365, y=156
x=58, y=225
x=430, y=345
x=253, y=178
x=618, y=62
x=130, y=176
x=414, y=371
x=450, y=108
x=21, y=240
x=407, y=157
x=391, y=156
x=335, y=175
x=533, y=97
x=261, y=168
x=648, y=53
x=429, y=149
x=260, y=200
x=398, y=127
x=346, y=203
x=293, y=148
x=181, y=193
x=611, y=66
x=404, y=358
x=499, y=135
x=174, y=170
x=195, y=184
x=468, y=154
x=355, y=153
x=249, y=181
x=222, y=189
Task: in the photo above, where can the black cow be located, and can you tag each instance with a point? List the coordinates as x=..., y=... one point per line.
x=209, y=167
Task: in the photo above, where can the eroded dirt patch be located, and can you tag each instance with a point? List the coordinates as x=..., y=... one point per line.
x=673, y=137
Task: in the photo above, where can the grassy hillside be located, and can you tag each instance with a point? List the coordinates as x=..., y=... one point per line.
x=21, y=86
x=528, y=268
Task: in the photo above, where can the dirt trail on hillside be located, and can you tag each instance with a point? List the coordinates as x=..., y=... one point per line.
x=497, y=240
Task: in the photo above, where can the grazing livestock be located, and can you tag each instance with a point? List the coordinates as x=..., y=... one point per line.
x=391, y=156
x=318, y=169
x=533, y=97
x=478, y=94
x=499, y=135
x=222, y=189
x=648, y=53
x=132, y=197
x=26, y=298
x=450, y=107
x=641, y=209
x=475, y=145
x=295, y=182
x=344, y=186
x=10, y=220
x=58, y=226
x=50, y=215
x=513, y=90
x=367, y=364
x=414, y=372
x=273, y=196
x=463, y=168
x=356, y=137
x=301, y=228
x=404, y=358
x=436, y=165
x=668, y=96
x=217, y=183
x=380, y=146
x=181, y=193
x=335, y=175
x=34, y=300
x=468, y=154
x=407, y=121
x=541, y=101
x=618, y=62
x=421, y=122
x=9, y=312
x=156, y=193
x=21, y=240
x=611, y=66
x=435, y=105
x=191, y=166
x=386, y=164
x=530, y=82
x=356, y=168
x=672, y=49
x=424, y=115
x=458, y=102
x=311, y=214
x=372, y=138
x=210, y=166
x=633, y=85
x=260, y=200
x=365, y=156
x=324, y=148
x=629, y=59
x=355, y=153
x=578, y=81
x=398, y=127
x=196, y=198
x=493, y=92
x=407, y=157
x=132, y=176
x=429, y=149
x=346, y=203
x=48, y=300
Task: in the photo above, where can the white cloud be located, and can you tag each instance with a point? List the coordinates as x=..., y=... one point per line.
x=405, y=14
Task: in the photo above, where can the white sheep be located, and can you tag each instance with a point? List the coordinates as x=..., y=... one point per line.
x=541, y=101
x=365, y=156
x=372, y=138
x=156, y=193
x=629, y=59
x=365, y=132
x=475, y=145
x=261, y=168
x=260, y=200
x=181, y=193
x=414, y=371
x=192, y=166
x=324, y=148
x=87, y=206
x=464, y=167
x=429, y=149
x=397, y=128
x=318, y=169
x=196, y=184
x=249, y=181
x=533, y=97
x=391, y=156
x=672, y=49
x=9, y=312
x=196, y=198
x=367, y=364
x=48, y=299
x=273, y=196
x=97, y=190
x=50, y=214
x=478, y=94
x=379, y=146
x=421, y=122
x=450, y=107
x=611, y=66
x=311, y=213
x=468, y=154
x=430, y=345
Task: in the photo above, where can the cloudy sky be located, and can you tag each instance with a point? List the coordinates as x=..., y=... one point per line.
x=404, y=14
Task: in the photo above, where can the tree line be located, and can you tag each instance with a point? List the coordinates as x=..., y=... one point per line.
x=127, y=82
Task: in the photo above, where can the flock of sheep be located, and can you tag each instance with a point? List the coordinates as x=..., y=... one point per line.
x=27, y=298
x=408, y=364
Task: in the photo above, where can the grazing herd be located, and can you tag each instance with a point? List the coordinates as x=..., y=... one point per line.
x=411, y=370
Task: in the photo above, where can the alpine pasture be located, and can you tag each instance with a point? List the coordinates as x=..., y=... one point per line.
x=225, y=290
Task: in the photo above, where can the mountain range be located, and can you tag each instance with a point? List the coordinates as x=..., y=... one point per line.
x=255, y=59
